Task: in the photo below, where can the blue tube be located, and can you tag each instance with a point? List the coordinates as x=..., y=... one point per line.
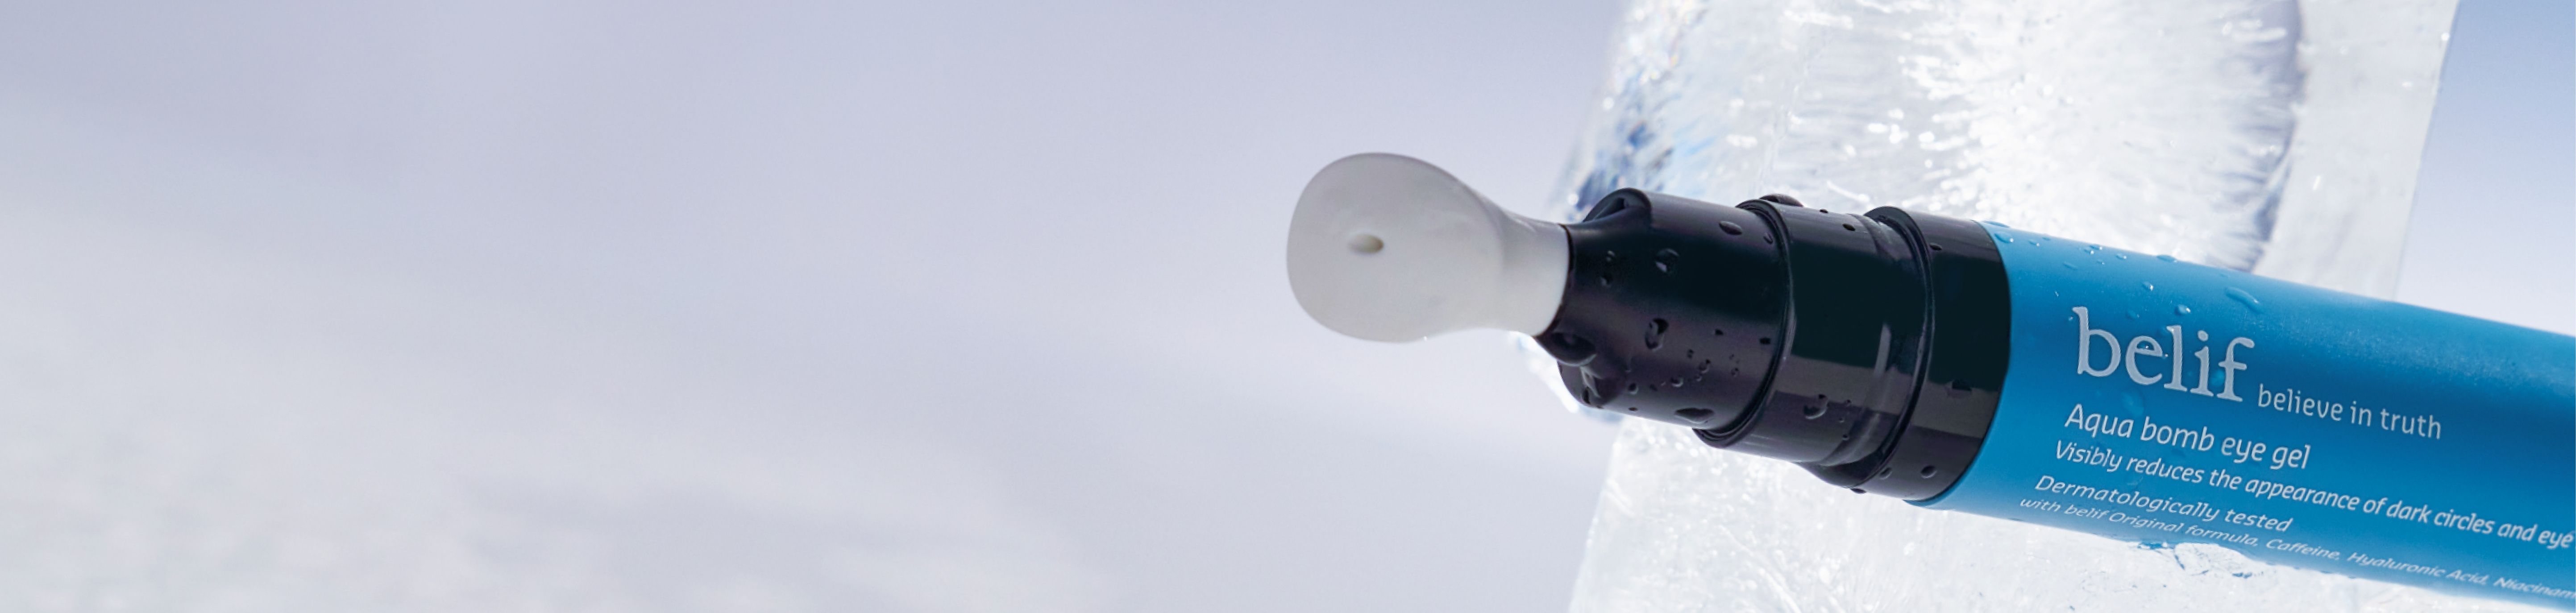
x=1972, y=367
x=2167, y=402
x=1982, y=369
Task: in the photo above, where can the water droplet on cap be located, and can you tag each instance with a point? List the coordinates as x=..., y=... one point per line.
x=2182, y=310
x=2167, y=258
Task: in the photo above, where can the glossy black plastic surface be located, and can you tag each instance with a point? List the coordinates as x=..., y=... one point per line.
x=1672, y=309
x=1869, y=349
x=1963, y=372
x=1855, y=334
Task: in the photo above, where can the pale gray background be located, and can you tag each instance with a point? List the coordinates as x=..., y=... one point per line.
x=830, y=306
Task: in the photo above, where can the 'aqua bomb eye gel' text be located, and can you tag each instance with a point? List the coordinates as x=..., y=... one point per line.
x=1973, y=367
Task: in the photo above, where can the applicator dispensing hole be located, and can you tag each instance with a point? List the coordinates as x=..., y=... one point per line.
x=1367, y=243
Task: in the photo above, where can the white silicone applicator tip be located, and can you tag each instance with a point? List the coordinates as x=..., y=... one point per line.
x=1385, y=247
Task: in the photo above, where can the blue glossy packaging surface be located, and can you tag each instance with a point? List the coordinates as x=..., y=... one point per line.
x=2166, y=402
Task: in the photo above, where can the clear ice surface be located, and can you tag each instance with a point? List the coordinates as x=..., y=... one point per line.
x=2273, y=136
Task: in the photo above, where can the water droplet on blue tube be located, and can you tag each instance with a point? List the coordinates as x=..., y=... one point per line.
x=2246, y=299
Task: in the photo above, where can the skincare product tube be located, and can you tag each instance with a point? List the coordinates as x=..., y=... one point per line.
x=1973, y=367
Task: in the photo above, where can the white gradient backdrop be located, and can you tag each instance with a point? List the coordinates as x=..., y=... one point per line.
x=588, y=305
